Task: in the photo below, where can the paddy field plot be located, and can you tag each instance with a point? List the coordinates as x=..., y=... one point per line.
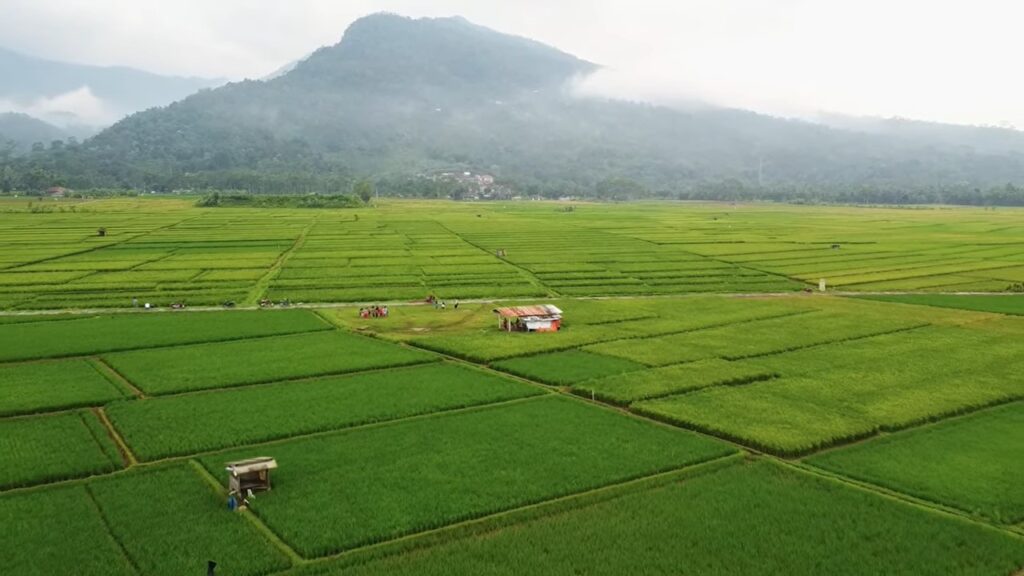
x=41, y=449
x=191, y=527
x=45, y=386
x=754, y=338
x=749, y=518
x=408, y=477
x=833, y=393
x=973, y=463
x=633, y=386
x=1002, y=304
x=259, y=360
x=567, y=367
x=92, y=334
x=194, y=423
x=37, y=544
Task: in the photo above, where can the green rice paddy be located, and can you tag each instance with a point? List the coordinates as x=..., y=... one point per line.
x=699, y=412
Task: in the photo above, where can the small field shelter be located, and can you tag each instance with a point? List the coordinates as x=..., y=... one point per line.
x=539, y=318
x=252, y=474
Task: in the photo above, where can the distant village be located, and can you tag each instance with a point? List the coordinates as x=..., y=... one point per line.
x=472, y=186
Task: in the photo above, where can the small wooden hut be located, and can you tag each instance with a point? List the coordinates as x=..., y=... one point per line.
x=539, y=318
x=252, y=474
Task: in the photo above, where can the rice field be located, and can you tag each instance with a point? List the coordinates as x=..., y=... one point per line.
x=194, y=423
x=256, y=361
x=753, y=518
x=973, y=463
x=698, y=412
x=165, y=251
x=393, y=480
x=50, y=448
x=47, y=386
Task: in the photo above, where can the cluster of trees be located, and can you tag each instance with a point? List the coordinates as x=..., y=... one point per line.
x=237, y=199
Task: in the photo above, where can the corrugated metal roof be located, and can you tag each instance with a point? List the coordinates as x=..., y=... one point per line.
x=539, y=310
x=252, y=465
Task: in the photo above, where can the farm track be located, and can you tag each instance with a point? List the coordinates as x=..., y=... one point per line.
x=328, y=305
x=116, y=378
x=122, y=446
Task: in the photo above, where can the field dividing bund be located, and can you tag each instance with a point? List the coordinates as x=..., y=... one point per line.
x=746, y=518
x=397, y=478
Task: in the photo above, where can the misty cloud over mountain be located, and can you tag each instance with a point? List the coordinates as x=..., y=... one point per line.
x=74, y=95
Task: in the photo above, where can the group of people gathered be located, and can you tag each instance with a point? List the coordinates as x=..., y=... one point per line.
x=373, y=312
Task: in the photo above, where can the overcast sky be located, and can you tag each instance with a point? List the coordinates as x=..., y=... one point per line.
x=944, y=60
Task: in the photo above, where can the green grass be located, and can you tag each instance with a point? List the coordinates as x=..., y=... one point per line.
x=170, y=522
x=42, y=386
x=669, y=380
x=41, y=449
x=754, y=518
x=95, y=334
x=235, y=363
x=193, y=423
x=384, y=482
x=57, y=531
x=973, y=463
x=566, y=367
x=1003, y=304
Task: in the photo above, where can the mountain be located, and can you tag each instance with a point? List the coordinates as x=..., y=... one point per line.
x=23, y=130
x=398, y=99
x=69, y=94
x=981, y=139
